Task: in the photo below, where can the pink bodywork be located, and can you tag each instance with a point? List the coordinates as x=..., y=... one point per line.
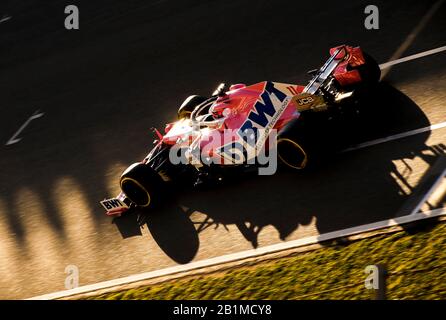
x=238, y=102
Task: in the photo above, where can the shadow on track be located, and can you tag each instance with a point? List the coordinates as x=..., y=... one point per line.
x=341, y=191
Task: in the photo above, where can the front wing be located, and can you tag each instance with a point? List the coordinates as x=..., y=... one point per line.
x=116, y=206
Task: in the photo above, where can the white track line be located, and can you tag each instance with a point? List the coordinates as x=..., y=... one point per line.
x=432, y=189
x=396, y=137
x=5, y=18
x=412, y=57
x=14, y=138
x=245, y=254
x=413, y=34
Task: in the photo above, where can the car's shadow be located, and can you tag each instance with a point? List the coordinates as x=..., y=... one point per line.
x=343, y=190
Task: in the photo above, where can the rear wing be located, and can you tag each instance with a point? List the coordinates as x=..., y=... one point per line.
x=326, y=70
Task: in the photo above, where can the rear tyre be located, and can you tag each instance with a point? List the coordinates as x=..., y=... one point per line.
x=291, y=153
x=370, y=72
x=142, y=185
x=292, y=146
x=189, y=105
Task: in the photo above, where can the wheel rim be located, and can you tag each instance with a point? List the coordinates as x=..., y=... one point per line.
x=136, y=192
x=297, y=157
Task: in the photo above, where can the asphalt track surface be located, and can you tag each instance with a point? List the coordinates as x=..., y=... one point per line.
x=129, y=67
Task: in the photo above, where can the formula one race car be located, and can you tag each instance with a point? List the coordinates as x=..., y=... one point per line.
x=244, y=127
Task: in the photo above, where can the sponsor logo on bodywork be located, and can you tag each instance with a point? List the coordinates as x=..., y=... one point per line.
x=113, y=204
x=257, y=127
x=308, y=101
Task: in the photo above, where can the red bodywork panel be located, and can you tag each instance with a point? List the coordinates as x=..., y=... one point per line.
x=343, y=73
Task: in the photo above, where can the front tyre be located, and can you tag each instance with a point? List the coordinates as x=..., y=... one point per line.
x=141, y=184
